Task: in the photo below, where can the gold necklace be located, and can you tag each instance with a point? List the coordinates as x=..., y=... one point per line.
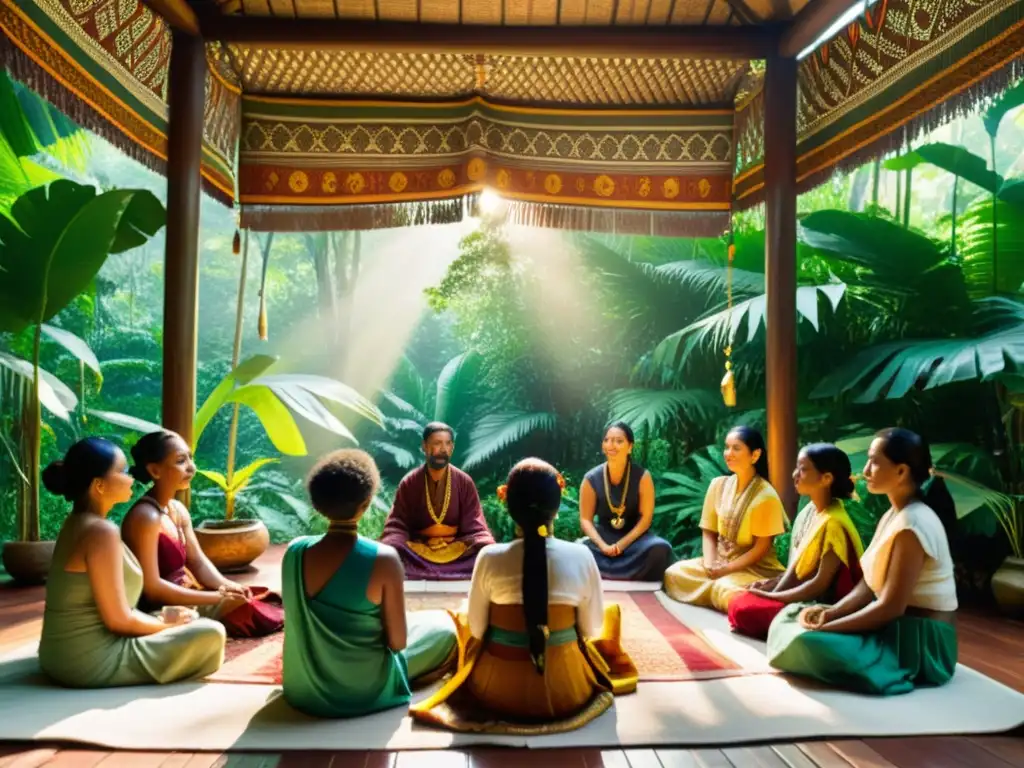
x=617, y=521
x=439, y=519
x=343, y=526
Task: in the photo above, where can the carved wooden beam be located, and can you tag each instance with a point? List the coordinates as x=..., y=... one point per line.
x=177, y=13
x=626, y=41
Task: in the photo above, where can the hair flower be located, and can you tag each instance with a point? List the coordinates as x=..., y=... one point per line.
x=561, y=481
x=543, y=531
x=502, y=492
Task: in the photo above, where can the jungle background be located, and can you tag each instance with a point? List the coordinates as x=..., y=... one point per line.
x=528, y=342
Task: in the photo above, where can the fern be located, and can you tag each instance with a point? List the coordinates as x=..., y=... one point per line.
x=654, y=408
x=495, y=432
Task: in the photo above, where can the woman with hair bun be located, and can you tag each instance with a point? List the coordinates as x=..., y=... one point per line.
x=93, y=636
x=825, y=549
x=742, y=516
x=895, y=630
x=176, y=571
x=539, y=651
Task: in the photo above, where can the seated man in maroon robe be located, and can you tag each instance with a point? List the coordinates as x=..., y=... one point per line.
x=436, y=522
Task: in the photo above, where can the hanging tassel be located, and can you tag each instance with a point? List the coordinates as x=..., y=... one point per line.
x=261, y=324
x=236, y=244
x=728, y=385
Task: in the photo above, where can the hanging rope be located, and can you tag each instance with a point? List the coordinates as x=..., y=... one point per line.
x=729, y=381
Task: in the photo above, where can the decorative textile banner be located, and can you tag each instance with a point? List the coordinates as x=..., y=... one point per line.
x=905, y=66
x=104, y=63
x=321, y=153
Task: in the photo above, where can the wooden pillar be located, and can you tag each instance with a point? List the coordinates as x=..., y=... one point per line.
x=186, y=92
x=780, y=272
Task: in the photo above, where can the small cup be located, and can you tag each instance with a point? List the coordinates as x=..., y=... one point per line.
x=172, y=614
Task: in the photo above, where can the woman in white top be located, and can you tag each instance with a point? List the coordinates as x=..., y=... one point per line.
x=539, y=652
x=895, y=630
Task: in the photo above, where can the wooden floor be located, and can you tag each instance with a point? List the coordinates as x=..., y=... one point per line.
x=990, y=645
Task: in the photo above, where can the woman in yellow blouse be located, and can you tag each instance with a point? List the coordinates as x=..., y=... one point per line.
x=741, y=518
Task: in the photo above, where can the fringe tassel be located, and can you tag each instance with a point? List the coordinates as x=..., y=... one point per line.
x=963, y=104
x=26, y=71
x=328, y=218
x=623, y=222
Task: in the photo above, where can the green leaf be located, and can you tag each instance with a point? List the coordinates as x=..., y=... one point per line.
x=862, y=238
x=655, y=408
x=1012, y=191
x=276, y=419
x=1011, y=99
x=215, y=477
x=14, y=125
x=54, y=395
x=241, y=478
x=496, y=431
x=281, y=523
x=975, y=233
x=403, y=458
x=55, y=241
x=75, y=345
x=245, y=372
x=125, y=421
x=953, y=159
x=892, y=370
x=454, y=385
x=723, y=326
x=328, y=390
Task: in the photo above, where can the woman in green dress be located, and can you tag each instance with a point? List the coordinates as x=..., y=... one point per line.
x=895, y=631
x=93, y=636
x=349, y=647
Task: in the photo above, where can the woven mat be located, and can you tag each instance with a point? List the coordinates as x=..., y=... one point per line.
x=660, y=644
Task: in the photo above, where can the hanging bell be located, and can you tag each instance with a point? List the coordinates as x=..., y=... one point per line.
x=728, y=386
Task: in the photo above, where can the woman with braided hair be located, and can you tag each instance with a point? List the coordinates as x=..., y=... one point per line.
x=540, y=652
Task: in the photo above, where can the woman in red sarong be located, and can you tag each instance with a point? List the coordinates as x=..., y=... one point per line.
x=158, y=530
x=824, y=553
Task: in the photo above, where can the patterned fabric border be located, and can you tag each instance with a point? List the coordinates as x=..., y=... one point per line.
x=297, y=153
x=105, y=64
x=904, y=67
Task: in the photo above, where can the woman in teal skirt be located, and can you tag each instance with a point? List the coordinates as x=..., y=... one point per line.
x=93, y=634
x=349, y=647
x=895, y=631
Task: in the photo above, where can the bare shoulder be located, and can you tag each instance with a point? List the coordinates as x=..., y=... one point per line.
x=143, y=512
x=389, y=563
x=97, y=533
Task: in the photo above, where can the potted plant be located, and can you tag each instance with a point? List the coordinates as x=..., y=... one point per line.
x=53, y=242
x=233, y=543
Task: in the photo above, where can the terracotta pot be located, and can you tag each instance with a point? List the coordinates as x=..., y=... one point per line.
x=28, y=562
x=1008, y=586
x=232, y=545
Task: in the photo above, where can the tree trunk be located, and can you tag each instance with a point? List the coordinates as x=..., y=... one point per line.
x=342, y=263
x=876, y=174
x=317, y=245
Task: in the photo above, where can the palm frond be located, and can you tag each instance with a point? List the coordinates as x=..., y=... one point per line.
x=497, y=431
x=722, y=327
x=890, y=371
x=455, y=387
x=654, y=408
x=402, y=457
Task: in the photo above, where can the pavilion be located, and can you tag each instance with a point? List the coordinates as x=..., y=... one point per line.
x=657, y=117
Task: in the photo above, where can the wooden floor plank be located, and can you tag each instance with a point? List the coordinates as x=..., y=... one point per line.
x=941, y=752
x=607, y=758
x=753, y=757
x=78, y=758
x=859, y=754
x=175, y=760
x=676, y=758
x=432, y=759
x=792, y=757
x=642, y=758
x=822, y=755
x=711, y=758
x=32, y=758
x=1009, y=748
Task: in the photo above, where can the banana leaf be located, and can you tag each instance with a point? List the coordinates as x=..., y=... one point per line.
x=56, y=240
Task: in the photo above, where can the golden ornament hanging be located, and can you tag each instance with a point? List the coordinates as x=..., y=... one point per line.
x=617, y=520
x=728, y=385
x=439, y=518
